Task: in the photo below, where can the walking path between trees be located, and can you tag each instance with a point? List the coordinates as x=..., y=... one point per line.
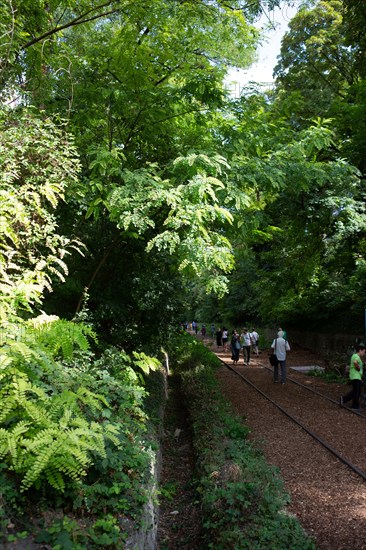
x=327, y=498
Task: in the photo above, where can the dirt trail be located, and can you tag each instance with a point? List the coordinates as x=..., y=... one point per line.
x=326, y=497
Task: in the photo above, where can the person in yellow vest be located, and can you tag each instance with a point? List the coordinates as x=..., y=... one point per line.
x=355, y=375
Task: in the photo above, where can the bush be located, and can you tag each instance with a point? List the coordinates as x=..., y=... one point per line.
x=73, y=430
x=243, y=498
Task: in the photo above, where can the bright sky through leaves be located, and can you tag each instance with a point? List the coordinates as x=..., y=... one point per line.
x=267, y=53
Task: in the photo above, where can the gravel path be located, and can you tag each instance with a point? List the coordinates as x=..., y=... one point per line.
x=326, y=496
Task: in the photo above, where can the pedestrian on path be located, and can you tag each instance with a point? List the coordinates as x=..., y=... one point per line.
x=225, y=333
x=246, y=343
x=255, y=337
x=355, y=376
x=235, y=347
x=280, y=347
x=219, y=338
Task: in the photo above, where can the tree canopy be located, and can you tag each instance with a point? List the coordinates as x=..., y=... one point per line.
x=135, y=193
x=171, y=177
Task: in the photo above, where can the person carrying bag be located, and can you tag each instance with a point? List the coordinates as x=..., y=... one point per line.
x=280, y=347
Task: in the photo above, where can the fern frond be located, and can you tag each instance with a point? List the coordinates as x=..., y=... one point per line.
x=21, y=349
x=43, y=438
x=8, y=405
x=79, y=422
x=56, y=408
x=20, y=387
x=20, y=428
x=111, y=433
x=81, y=457
x=55, y=479
x=59, y=335
x=93, y=400
x=5, y=360
x=3, y=442
x=87, y=440
x=39, y=464
x=69, y=467
x=36, y=412
x=12, y=445
x=64, y=421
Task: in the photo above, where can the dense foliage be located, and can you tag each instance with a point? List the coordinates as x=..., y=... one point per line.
x=299, y=246
x=134, y=192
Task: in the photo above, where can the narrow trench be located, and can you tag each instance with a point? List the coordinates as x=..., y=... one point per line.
x=179, y=524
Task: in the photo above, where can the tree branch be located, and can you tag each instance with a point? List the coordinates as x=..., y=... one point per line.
x=77, y=21
x=93, y=276
x=171, y=71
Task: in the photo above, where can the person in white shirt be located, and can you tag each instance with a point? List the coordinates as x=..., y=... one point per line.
x=280, y=347
x=255, y=337
x=224, y=338
x=246, y=343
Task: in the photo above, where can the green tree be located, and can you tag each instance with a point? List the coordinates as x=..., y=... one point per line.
x=298, y=218
x=316, y=63
x=38, y=161
x=354, y=20
x=139, y=90
x=320, y=72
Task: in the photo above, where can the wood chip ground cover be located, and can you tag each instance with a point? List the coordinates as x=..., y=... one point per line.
x=326, y=497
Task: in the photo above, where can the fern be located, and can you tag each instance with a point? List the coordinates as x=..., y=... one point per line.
x=48, y=438
x=60, y=337
x=17, y=352
x=55, y=479
x=4, y=443
x=94, y=401
x=52, y=453
x=7, y=406
x=111, y=433
x=52, y=426
x=39, y=464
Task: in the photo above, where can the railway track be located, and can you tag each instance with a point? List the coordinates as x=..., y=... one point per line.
x=316, y=412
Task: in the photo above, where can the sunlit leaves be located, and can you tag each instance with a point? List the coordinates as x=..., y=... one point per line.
x=38, y=161
x=190, y=215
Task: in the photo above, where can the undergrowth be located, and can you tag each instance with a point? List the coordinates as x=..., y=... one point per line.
x=243, y=498
x=75, y=448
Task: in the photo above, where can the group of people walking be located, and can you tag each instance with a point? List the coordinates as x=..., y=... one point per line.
x=246, y=341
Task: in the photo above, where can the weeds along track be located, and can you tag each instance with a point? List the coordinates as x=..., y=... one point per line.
x=316, y=412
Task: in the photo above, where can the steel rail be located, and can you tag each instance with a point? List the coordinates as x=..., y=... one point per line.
x=320, y=440
x=313, y=391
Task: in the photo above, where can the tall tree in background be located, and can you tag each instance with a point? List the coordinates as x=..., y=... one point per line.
x=138, y=85
x=320, y=72
x=297, y=242
x=304, y=253
x=316, y=64
x=354, y=17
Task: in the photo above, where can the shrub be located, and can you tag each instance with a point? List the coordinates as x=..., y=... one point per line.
x=73, y=430
x=242, y=496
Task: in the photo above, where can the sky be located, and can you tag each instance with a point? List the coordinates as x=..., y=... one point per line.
x=268, y=52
